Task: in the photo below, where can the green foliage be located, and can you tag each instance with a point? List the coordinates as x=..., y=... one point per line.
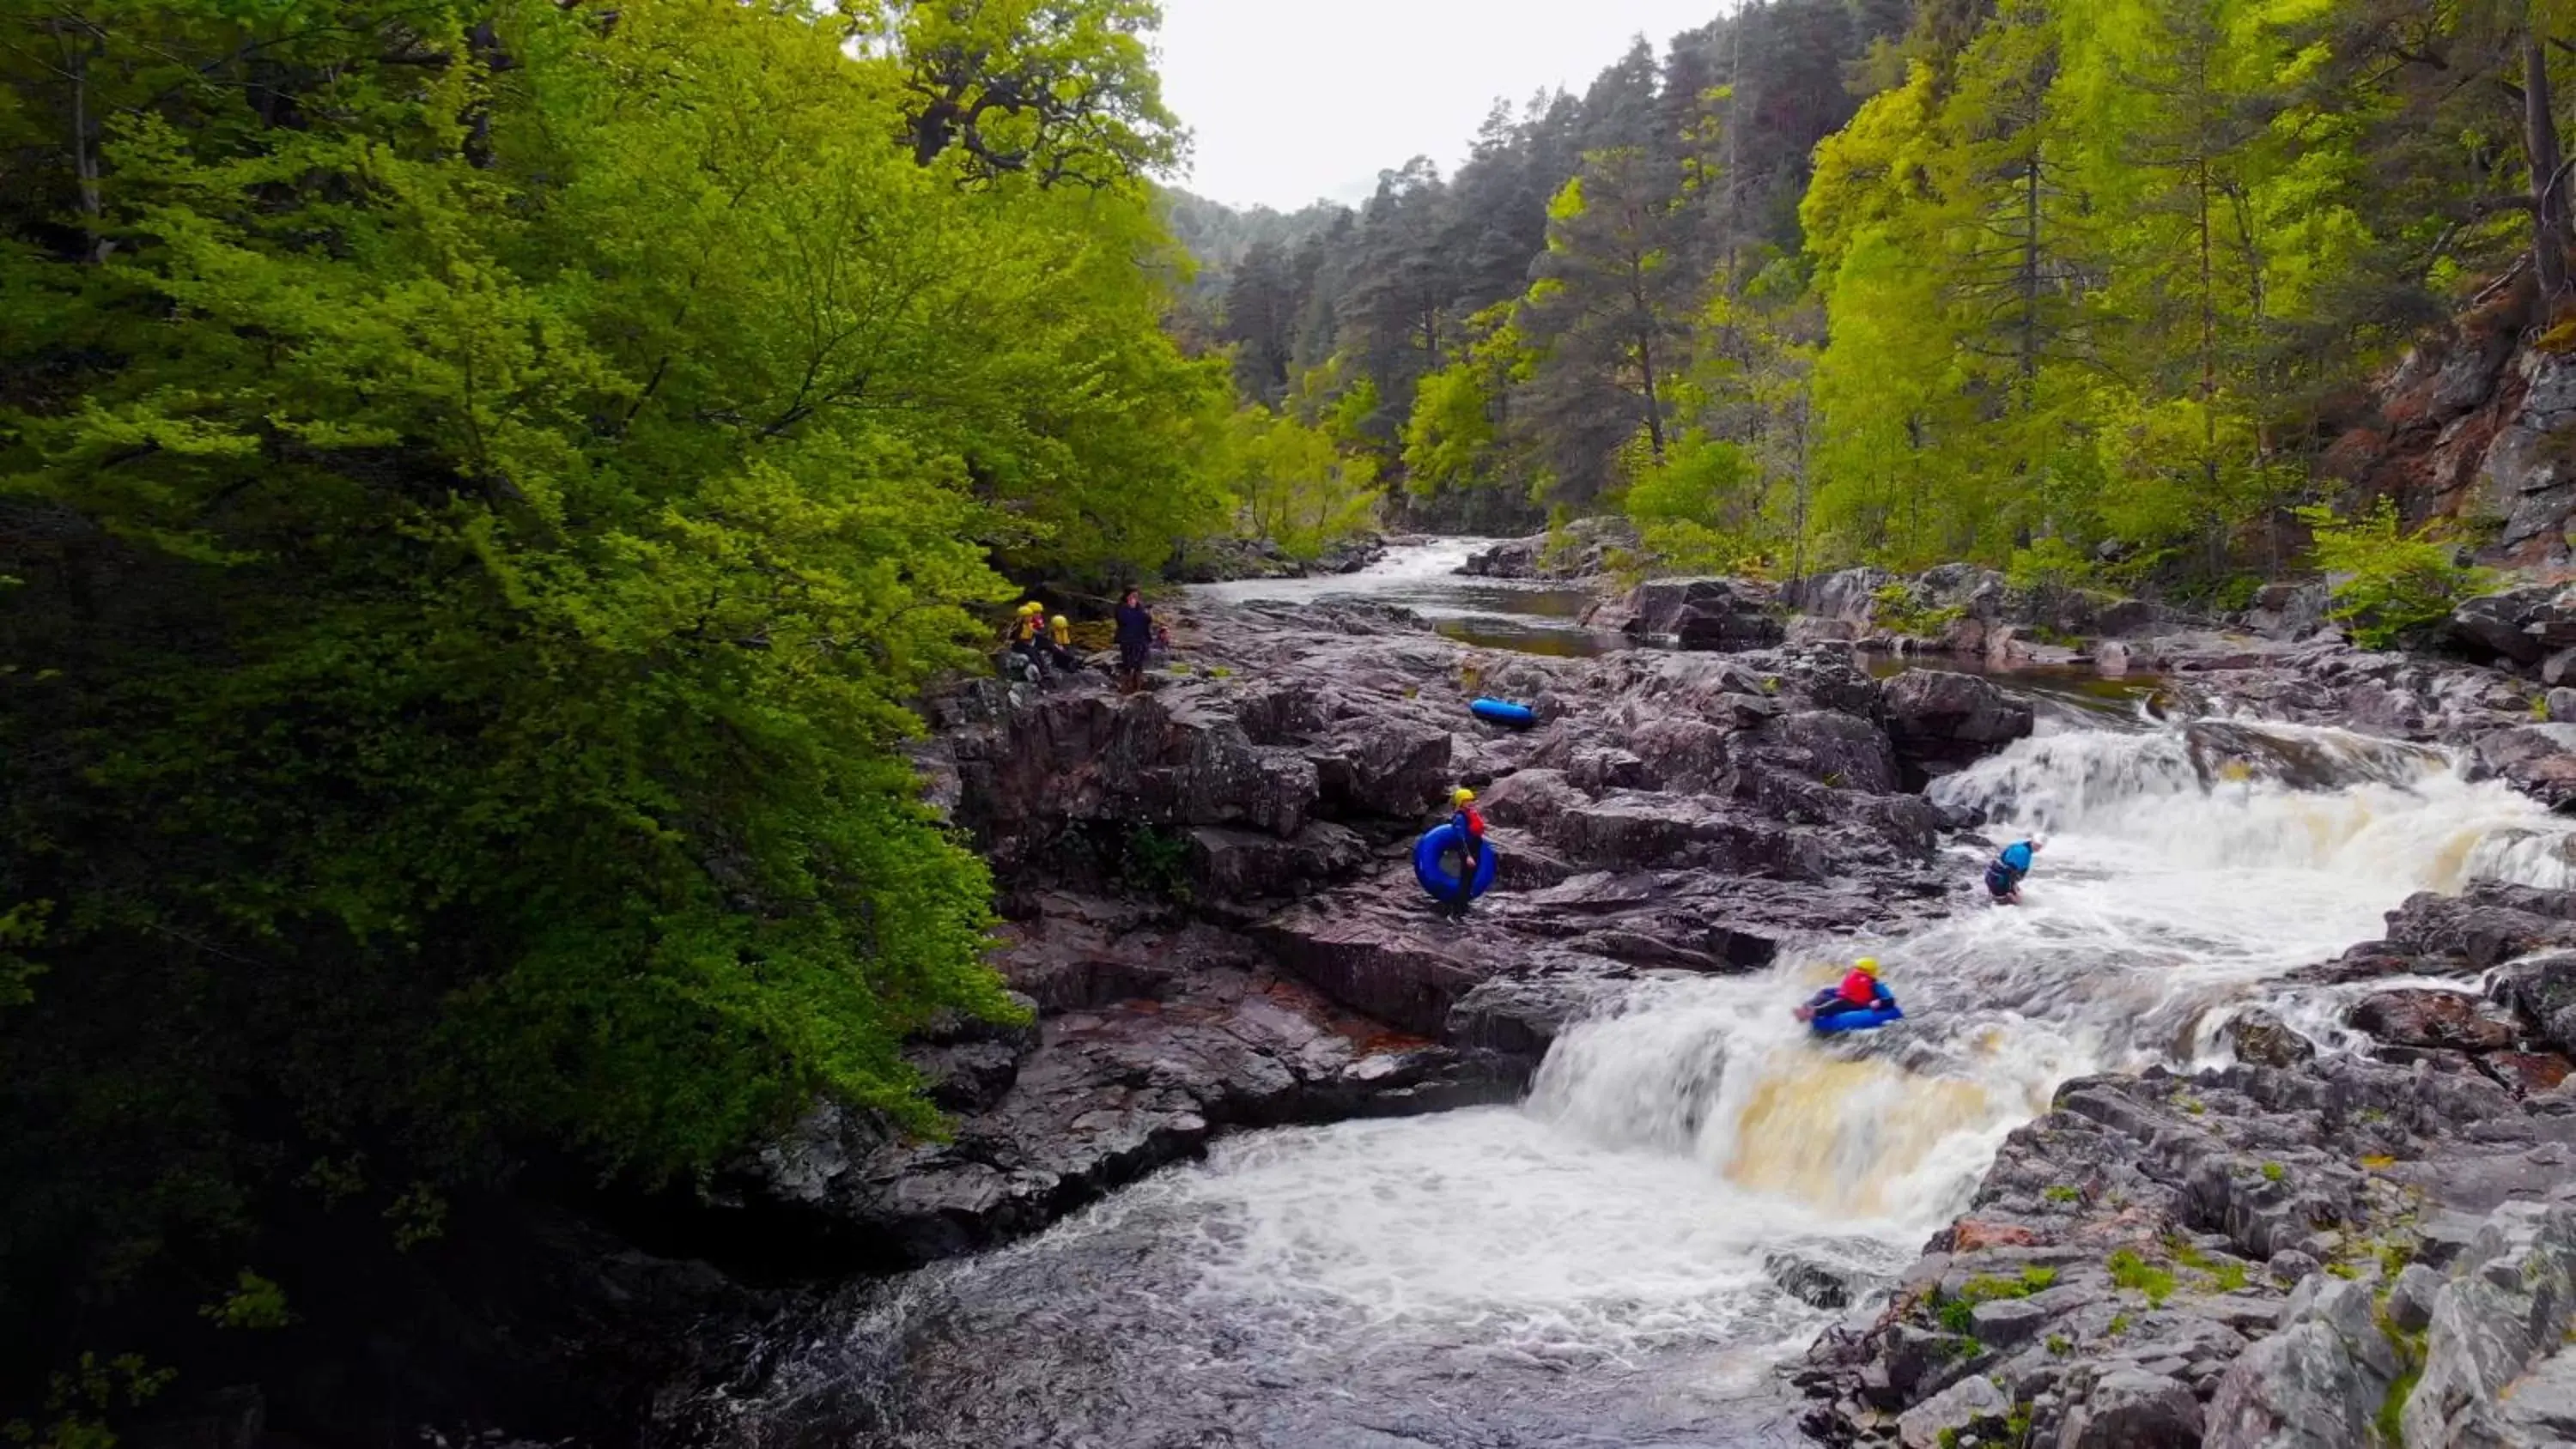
x=1296, y=487
x=21, y=925
x=82, y=1401
x=2038, y=1280
x=1157, y=862
x=2274, y=1172
x=2388, y=581
x=254, y=1302
x=2060, y=1193
x=2119, y=1325
x=2411, y=1353
x=1957, y=1315
x=500, y=492
x=2059, y=1345
x=2137, y=1275
x=1698, y=508
x=1896, y=608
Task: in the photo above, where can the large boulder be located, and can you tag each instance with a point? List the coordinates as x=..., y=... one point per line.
x=1841, y=750
x=2265, y=1040
x=2524, y=625
x=2510, y=1305
x=1715, y=614
x=2133, y=1409
x=1845, y=597
x=2447, y=1020
x=2288, y=611
x=2307, y=1386
x=2542, y=990
x=2538, y=759
x=1940, y=720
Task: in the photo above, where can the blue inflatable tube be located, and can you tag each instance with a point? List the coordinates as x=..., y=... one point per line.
x=1843, y=1021
x=1504, y=712
x=1435, y=877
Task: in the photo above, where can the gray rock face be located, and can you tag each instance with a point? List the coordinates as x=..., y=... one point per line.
x=1972, y=1402
x=1582, y=552
x=2259, y=1037
x=1726, y=615
x=1940, y=720
x=2133, y=1409
x=2527, y=477
x=2510, y=1303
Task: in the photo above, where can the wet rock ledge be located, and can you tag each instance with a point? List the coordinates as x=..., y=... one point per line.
x=1211, y=909
x=2298, y=1250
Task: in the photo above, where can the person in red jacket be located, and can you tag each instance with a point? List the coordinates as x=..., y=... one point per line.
x=1471, y=852
x=1861, y=990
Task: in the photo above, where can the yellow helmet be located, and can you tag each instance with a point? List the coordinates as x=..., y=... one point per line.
x=1866, y=965
x=1463, y=796
x=1057, y=621
x=1032, y=608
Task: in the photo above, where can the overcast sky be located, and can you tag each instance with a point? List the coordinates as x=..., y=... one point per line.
x=1291, y=102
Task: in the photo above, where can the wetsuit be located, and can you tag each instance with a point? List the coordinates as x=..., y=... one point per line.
x=1859, y=992
x=1471, y=854
x=2003, y=878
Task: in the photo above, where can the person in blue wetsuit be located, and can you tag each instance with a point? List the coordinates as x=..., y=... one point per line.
x=2003, y=878
x=1860, y=991
x=1471, y=851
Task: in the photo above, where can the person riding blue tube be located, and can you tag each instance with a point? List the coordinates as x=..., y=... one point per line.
x=1861, y=990
x=2003, y=878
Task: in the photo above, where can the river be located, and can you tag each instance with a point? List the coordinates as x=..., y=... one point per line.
x=1601, y=1265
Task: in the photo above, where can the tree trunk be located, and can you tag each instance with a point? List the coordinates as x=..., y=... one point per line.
x=2549, y=230
x=2030, y=281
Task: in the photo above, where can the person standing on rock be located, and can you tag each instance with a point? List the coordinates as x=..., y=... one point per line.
x=2003, y=878
x=1470, y=825
x=1135, y=640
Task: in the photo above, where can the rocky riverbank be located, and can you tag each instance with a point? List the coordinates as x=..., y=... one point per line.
x=2298, y=1249
x=1211, y=908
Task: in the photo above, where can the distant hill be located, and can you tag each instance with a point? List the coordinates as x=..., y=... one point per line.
x=1217, y=235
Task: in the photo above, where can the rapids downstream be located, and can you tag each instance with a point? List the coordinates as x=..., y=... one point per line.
x=1605, y=1263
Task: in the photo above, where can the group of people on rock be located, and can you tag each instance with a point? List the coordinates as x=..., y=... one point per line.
x=1046, y=643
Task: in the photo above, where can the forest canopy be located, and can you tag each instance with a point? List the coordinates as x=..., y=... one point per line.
x=1835, y=281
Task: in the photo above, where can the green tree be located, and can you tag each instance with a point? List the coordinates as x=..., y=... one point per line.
x=486, y=482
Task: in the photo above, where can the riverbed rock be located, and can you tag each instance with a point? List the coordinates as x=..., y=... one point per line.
x=1939, y=720
x=1947, y=1418
x=2264, y=1039
x=2132, y=1409
x=1726, y=615
x=1581, y=551
x=2509, y=1304
x=2442, y=1019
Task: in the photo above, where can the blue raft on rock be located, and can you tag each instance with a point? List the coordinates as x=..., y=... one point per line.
x=1433, y=872
x=1504, y=712
x=1843, y=1021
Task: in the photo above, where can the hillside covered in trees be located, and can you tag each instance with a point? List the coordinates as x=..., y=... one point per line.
x=2083, y=286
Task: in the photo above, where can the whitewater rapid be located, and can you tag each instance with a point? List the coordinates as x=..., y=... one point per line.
x=1607, y=1257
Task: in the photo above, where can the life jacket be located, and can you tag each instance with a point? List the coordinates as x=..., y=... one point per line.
x=1025, y=629
x=1470, y=821
x=1063, y=631
x=1860, y=988
x=2016, y=858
